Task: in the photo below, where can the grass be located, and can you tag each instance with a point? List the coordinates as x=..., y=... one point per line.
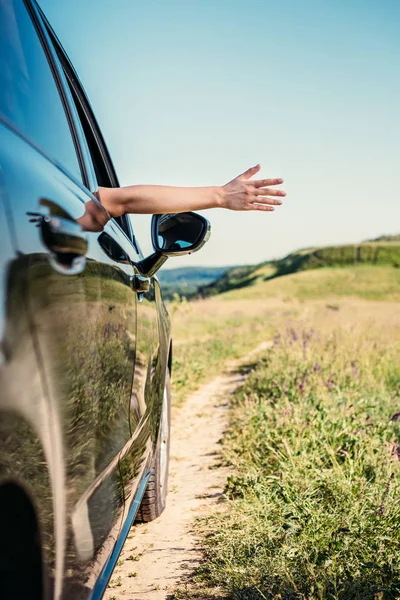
x=363, y=281
x=311, y=506
x=384, y=251
x=207, y=334
x=211, y=331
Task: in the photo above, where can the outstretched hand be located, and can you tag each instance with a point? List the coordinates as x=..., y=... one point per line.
x=243, y=194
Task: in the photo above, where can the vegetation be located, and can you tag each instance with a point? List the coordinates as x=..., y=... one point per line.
x=206, y=335
x=368, y=282
x=386, y=238
x=382, y=252
x=186, y=280
x=210, y=331
x=311, y=507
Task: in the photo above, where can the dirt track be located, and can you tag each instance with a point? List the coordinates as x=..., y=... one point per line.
x=159, y=557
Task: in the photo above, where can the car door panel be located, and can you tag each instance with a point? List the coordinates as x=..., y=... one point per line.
x=28, y=446
x=85, y=325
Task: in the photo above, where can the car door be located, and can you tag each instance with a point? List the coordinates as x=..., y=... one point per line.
x=77, y=266
x=152, y=334
x=152, y=323
x=136, y=457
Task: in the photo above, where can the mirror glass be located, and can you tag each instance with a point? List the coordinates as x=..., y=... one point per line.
x=112, y=248
x=179, y=232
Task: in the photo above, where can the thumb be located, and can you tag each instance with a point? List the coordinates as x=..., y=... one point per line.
x=250, y=172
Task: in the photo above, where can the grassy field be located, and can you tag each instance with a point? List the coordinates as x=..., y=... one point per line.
x=207, y=333
x=368, y=282
x=210, y=331
x=380, y=252
x=312, y=506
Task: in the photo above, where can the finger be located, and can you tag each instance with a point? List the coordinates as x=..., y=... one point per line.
x=268, y=201
x=269, y=192
x=250, y=172
x=263, y=207
x=264, y=182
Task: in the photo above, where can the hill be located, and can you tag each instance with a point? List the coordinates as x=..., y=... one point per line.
x=386, y=238
x=364, y=281
x=384, y=253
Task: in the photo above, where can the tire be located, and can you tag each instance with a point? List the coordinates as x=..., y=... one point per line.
x=155, y=496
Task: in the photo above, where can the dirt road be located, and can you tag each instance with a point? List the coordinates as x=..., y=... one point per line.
x=161, y=556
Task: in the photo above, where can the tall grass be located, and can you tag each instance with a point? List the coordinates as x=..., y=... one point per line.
x=313, y=506
x=207, y=334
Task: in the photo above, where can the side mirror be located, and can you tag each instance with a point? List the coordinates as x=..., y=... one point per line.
x=174, y=235
x=112, y=249
x=180, y=233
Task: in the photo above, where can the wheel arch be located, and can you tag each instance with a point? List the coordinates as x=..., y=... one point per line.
x=26, y=509
x=22, y=568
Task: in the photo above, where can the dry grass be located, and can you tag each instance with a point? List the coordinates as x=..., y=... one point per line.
x=314, y=447
x=314, y=443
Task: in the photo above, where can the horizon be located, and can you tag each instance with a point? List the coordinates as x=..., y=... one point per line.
x=309, y=91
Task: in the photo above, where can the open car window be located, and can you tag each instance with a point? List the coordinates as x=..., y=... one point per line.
x=103, y=168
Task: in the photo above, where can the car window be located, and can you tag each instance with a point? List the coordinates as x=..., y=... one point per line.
x=102, y=165
x=29, y=98
x=101, y=161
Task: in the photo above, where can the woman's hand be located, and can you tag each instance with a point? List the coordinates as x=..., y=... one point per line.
x=243, y=194
x=238, y=194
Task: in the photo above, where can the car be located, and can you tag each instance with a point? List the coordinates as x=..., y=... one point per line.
x=86, y=350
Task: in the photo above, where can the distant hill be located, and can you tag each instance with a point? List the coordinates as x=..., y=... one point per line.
x=362, y=281
x=386, y=238
x=384, y=251
x=186, y=281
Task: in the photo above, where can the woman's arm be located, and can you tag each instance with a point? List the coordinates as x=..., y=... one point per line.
x=238, y=194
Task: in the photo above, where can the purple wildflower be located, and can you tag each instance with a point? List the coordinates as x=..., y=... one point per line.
x=395, y=417
x=395, y=452
x=381, y=509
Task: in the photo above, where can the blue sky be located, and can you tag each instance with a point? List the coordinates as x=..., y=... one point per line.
x=192, y=92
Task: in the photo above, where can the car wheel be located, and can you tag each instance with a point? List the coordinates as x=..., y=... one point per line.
x=155, y=496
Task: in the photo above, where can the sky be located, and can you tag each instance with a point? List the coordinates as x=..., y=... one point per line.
x=193, y=92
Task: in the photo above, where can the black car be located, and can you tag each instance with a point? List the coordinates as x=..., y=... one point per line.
x=85, y=358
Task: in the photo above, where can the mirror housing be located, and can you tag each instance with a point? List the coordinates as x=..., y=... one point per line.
x=174, y=234
x=178, y=234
